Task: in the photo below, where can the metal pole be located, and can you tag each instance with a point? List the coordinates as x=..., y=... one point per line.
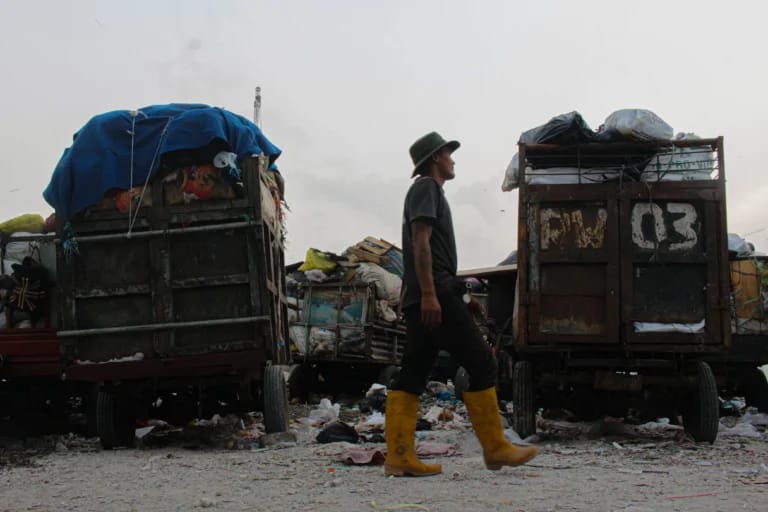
x=257, y=107
x=162, y=327
x=159, y=232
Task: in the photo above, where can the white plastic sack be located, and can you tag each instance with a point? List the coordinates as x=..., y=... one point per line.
x=325, y=412
x=385, y=312
x=739, y=430
x=639, y=124
x=696, y=163
x=43, y=251
x=388, y=285
x=755, y=417
x=512, y=175
x=15, y=252
x=738, y=245
x=298, y=336
x=671, y=327
x=321, y=340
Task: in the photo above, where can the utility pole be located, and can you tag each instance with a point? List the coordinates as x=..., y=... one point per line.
x=257, y=107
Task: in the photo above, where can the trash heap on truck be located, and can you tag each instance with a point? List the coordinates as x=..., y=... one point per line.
x=344, y=314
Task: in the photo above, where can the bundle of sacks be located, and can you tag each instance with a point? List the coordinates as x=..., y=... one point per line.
x=27, y=266
x=666, y=163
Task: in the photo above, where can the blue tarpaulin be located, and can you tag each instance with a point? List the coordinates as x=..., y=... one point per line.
x=110, y=145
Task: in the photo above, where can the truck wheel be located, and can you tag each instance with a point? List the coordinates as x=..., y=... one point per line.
x=301, y=381
x=389, y=375
x=756, y=389
x=524, y=413
x=275, y=400
x=114, y=426
x=91, y=398
x=460, y=382
x=702, y=417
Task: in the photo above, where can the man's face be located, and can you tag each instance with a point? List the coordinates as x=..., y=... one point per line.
x=445, y=164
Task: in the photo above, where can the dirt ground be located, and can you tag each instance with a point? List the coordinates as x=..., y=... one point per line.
x=589, y=467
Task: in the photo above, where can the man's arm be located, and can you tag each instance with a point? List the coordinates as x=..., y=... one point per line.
x=431, y=313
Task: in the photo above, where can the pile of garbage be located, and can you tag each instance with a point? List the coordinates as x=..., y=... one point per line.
x=27, y=272
x=191, y=151
x=333, y=297
x=642, y=163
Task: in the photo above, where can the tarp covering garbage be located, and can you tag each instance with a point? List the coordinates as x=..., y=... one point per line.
x=120, y=149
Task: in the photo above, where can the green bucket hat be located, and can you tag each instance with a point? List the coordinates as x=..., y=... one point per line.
x=428, y=145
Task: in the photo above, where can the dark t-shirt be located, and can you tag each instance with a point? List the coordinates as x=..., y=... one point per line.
x=425, y=202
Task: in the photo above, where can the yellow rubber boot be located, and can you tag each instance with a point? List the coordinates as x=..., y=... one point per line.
x=483, y=408
x=400, y=432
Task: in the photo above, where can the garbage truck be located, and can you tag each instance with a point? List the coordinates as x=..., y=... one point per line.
x=622, y=297
x=170, y=268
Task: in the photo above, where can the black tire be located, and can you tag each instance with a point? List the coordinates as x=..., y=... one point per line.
x=114, y=426
x=504, y=387
x=460, y=382
x=756, y=389
x=524, y=413
x=301, y=381
x=702, y=417
x=389, y=375
x=275, y=400
x=90, y=412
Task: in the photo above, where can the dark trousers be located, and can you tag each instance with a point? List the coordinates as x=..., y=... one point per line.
x=457, y=334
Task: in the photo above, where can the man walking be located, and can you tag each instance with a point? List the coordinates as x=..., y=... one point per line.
x=438, y=319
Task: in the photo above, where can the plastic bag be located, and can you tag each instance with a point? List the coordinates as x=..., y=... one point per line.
x=338, y=432
x=512, y=175
x=681, y=164
x=736, y=244
x=317, y=260
x=29, y=222
x=325, y=412
x=387, y=284
x=567, y=128
x=15, y=252
x=639, y=124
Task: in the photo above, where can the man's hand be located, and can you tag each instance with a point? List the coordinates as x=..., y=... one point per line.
x=431, y=312
x=475, y=307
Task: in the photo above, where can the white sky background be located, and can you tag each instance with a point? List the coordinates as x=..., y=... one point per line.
x=349, y=85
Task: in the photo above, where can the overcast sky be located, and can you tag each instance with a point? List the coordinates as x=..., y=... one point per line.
x=349, y=85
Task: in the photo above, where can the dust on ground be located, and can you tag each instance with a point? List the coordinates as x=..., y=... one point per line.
x=581, y=466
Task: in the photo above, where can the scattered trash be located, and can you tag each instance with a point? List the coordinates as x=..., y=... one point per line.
x=373, y=422
x=435, y=388
x=753, y=417
x=362, y=456
x=325, y=413
x=338, y=431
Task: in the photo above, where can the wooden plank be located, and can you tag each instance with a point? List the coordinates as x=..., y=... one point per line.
x=363, y=255
x=375, y=246
x=487, y=271
x=89, y=293
x=197, y=282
